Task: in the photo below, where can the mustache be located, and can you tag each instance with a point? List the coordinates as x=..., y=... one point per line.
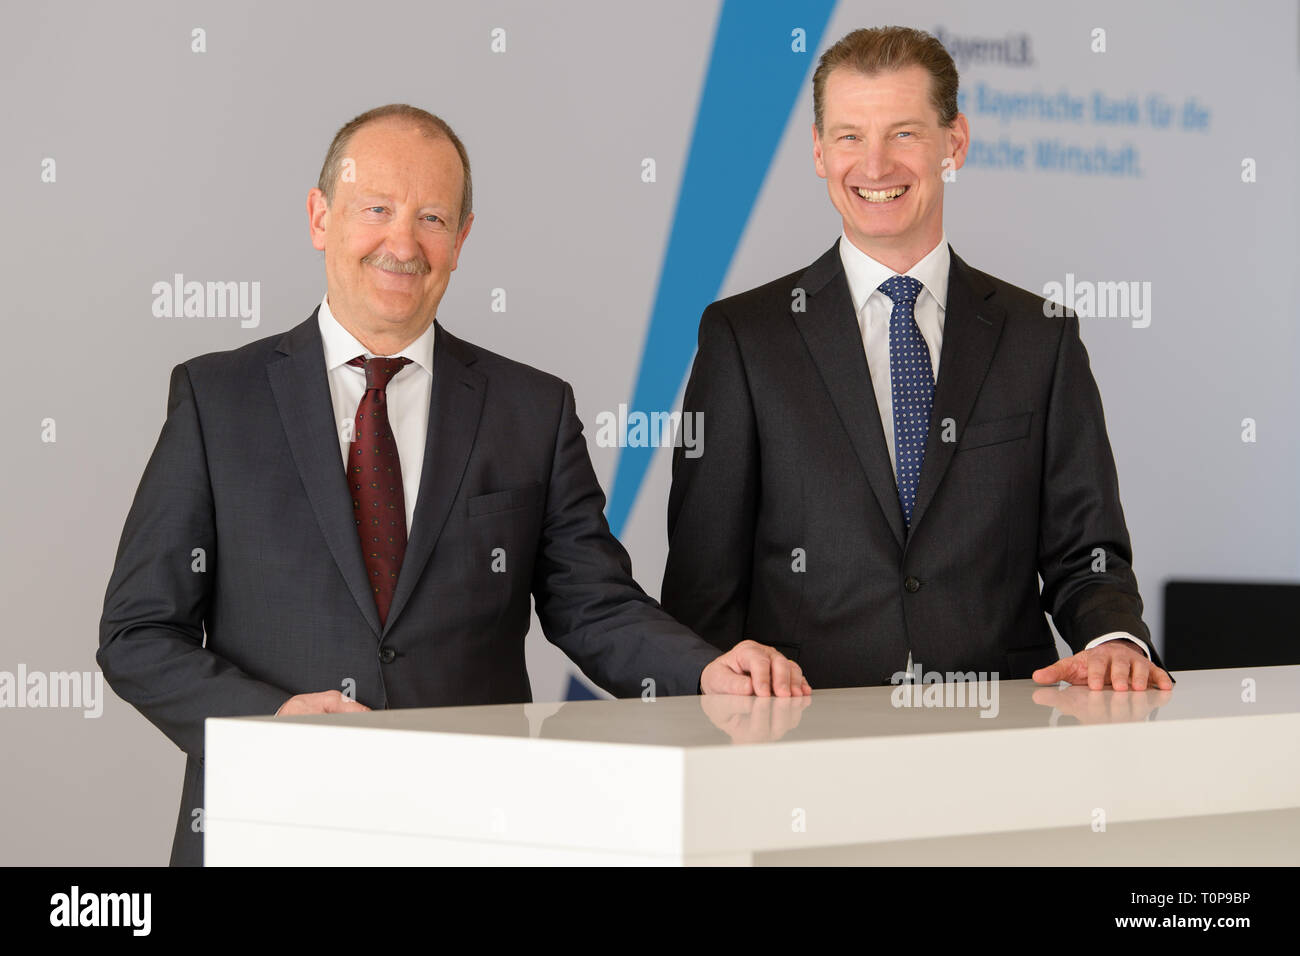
x=385, y=261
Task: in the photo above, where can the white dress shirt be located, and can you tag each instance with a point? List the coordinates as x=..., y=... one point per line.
x=408, y=394
x=872, y=308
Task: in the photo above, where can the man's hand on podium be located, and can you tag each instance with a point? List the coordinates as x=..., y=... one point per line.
x=753, y=668
x=323, y=702
x=1119, y=663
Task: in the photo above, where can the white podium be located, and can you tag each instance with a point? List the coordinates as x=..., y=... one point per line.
x=1208, y=773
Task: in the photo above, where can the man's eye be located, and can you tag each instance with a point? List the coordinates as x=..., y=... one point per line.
x=434, y=217
x=375, y=208
x=848, y=136
x=904, y=133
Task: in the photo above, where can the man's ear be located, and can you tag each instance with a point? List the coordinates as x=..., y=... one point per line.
x=819, y=161
x=959, y=140
x=317, y=217
x=460, y=241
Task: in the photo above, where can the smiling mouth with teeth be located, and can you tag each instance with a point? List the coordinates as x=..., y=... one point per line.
x=881, y=195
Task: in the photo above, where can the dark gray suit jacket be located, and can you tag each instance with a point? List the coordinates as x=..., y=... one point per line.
x=794, y=457
x=248, y=469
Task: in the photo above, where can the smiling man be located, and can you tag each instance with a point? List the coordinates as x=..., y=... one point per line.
x=899, y=444
x=355, y=514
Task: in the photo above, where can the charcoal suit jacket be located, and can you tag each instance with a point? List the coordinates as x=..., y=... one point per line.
x=239, y=580
x=788, y=529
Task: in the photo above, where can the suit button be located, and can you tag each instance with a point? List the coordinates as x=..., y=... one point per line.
x=388, y=655
x=911, y=585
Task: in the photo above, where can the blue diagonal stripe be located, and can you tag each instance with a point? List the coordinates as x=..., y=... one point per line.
x=753, y=82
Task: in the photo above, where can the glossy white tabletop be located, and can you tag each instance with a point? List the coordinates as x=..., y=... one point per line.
x=729, y=779
x=850, y=712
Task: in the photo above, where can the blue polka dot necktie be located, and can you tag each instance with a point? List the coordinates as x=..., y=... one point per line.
x=911, y=380
x=375, y=480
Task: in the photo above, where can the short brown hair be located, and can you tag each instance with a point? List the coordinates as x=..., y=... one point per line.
x=428, y=124
x=871, y=51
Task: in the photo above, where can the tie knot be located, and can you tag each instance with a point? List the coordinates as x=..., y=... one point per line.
x=901, y=289
x=380, y=369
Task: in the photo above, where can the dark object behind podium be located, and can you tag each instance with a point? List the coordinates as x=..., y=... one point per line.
x=1230, y=624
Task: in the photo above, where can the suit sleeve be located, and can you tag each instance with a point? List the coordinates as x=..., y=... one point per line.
x=151, y=632
x=1084, y=555
x=712, y=508
x=588, y=603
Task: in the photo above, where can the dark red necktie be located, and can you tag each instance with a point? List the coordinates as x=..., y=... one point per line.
x=375, y=476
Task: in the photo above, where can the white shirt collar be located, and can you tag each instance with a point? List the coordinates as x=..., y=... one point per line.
x=865, y=274
x=341, y=345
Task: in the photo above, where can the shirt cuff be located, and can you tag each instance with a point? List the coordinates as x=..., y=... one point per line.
x=1116, y=635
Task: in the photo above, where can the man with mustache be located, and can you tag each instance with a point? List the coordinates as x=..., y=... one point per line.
x=355, y=514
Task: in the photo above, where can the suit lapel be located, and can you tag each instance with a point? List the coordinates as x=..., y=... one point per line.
x=298, y=381
x=830, y=330
x=971, y=329
x=455, y=407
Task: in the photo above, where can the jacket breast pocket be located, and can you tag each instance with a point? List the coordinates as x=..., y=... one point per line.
x=505, y=500
x=979, y=434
